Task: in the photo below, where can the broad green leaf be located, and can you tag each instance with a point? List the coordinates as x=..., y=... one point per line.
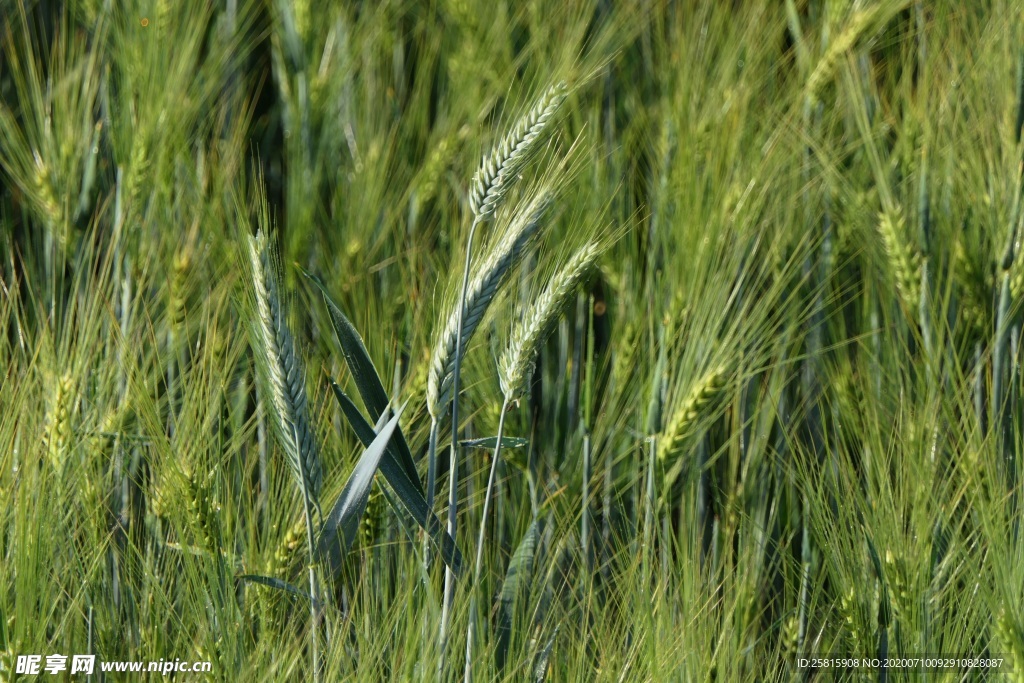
x=520, y=568
x=342, y=523
x=410, y=495
x=367, y=380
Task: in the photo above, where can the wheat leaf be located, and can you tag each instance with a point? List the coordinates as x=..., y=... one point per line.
x=342, y=523
x=278, y=584
x=409, y=493
x=367, y=380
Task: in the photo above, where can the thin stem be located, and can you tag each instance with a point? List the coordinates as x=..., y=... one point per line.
x=648, y=529
x=314, y=607
x=431, y=488
x=479, y=564
x=588, y=556
x=453, y=478
x=478, y=568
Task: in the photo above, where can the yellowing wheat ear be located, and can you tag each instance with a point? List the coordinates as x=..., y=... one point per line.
x=281, y=373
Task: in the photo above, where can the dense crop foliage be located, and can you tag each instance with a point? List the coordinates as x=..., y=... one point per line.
x=724, y=300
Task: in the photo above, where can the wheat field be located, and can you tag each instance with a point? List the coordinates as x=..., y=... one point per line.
x=436, y=340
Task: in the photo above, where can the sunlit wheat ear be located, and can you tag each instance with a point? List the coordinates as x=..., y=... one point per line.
x=904, y=261
x=517, y=362
x=57, y=437
x=280, y=371
x=687, y=413
x=860, y=22
x=490, y=274
x=500, y=169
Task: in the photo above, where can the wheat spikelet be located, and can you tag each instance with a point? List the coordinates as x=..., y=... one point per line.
x=288, y=556
x=281, y=372
x=904, y=262
x=860, y=22
x=1009, y=640
x=499, y=170
x=46, y=196
x=1016, y=273
x=179, y=288
x=57, y=437
x=372, y=523
x=517, y=362
x=436, y=166
x=203, y=511
x=481, y=291
x=850, y=610
x=686, y=414
x=973, y=286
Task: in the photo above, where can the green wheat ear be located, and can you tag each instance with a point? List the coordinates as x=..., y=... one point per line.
x=501, y=168
x=859, y=24
x=489, y=277
x=904, y=262
x=57, y=437
x=280, y=371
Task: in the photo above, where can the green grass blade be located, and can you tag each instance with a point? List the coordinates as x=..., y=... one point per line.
x=278, y=584
x=366, y=377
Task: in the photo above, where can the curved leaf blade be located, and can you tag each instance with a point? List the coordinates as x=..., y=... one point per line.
x=278, y=584
x=342, y=523
x=365, y=375
x=409, y=493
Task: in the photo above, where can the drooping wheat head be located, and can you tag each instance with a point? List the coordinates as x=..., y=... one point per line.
x=490, y=275
x=517, y=362
x=500, y=169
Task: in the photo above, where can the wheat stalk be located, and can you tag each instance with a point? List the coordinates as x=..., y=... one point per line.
x=499, y=170
x=281, y=372
x=517, y=362
x=485, y=285
x=514, y=367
